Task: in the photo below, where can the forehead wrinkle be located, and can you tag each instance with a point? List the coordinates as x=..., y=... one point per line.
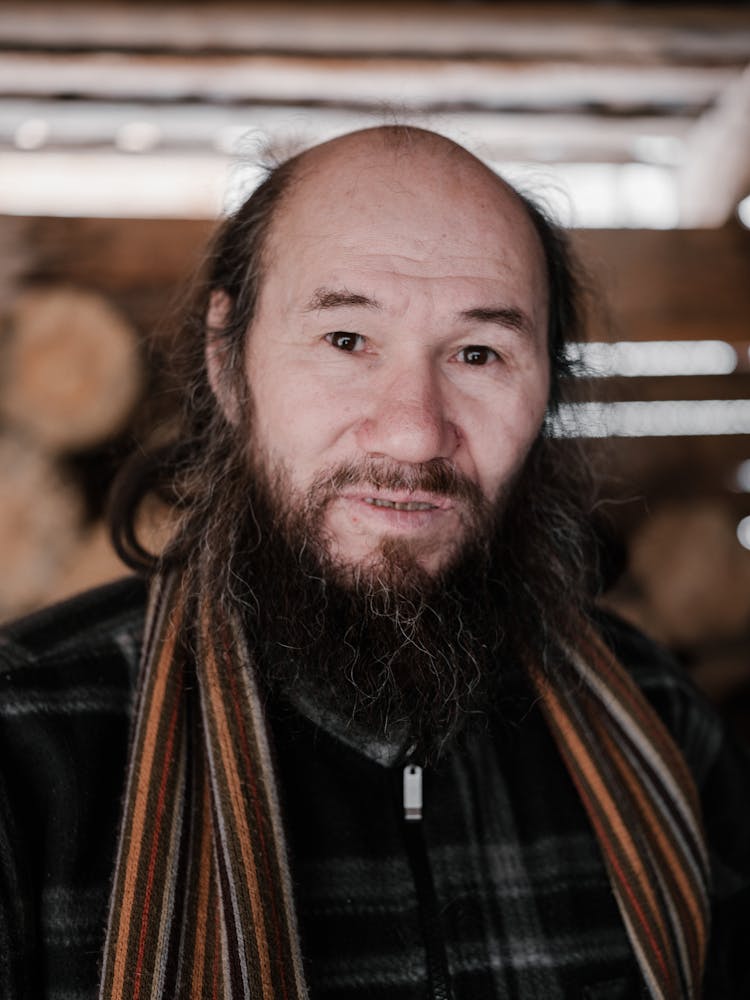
x=374, y=262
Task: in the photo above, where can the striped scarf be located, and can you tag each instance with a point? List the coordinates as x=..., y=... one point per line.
x=202, y=903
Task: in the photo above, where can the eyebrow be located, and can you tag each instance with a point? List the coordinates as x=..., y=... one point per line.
x=507, y=316
x=332, y=298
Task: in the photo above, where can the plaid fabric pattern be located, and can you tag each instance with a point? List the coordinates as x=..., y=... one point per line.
x=525, y=903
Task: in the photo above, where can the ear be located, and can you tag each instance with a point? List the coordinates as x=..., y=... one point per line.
x=217, y=317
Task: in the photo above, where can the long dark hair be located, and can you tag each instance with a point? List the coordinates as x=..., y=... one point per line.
x=184, y=468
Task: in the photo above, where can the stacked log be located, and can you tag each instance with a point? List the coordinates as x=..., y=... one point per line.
x=71, y=377
x=72, y=369
x=692, y=573
x=688, y=585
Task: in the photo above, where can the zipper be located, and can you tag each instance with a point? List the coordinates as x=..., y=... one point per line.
x=429, y=916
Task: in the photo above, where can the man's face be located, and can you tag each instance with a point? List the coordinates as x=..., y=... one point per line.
x=400, y=336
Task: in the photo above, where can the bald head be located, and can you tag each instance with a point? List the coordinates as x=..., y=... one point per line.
x=379, y=176
x=402, y=143
x=407, y=184
x=410, y=203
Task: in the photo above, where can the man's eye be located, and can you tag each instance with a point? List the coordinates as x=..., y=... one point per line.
x=477, y=355
x=346, y=341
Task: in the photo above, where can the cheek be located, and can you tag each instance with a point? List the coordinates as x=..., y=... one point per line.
x=298, y=423
x=502, y=441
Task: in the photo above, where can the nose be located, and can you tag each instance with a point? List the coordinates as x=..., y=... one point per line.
x=406, y=418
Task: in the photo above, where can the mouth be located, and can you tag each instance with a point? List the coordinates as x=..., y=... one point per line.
x=400, y=501
x=360, y=520
x=409, y=505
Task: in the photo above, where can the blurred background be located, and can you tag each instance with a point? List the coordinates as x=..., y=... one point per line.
x=127, y=129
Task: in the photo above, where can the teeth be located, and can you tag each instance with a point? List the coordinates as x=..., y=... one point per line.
x=394, y=505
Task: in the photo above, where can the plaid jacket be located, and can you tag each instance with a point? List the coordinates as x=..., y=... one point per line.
x=521, y=901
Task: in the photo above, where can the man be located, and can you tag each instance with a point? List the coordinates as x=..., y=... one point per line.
x=382, y=744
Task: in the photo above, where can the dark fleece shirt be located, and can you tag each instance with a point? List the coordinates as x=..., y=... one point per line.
x=523, y=905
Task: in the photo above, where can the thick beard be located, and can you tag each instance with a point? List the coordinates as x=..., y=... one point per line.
x=398, y=654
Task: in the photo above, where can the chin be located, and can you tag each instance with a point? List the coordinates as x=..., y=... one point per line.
x=394, y=563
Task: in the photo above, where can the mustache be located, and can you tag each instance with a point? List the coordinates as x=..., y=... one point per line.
x=437, y=476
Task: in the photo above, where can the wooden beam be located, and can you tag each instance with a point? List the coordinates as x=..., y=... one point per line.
x=642, y=470
x=693, y=387
x=673, y=285
x=641, y=34
x=199, y=127
x=716, y=174
x=490, y=84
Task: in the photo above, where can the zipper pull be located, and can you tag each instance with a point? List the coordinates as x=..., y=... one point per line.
x=412, y=793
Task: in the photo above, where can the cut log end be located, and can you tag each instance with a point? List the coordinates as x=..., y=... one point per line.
x=72, y=368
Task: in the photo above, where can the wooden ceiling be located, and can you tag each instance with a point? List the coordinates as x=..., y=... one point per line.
x=548, y=83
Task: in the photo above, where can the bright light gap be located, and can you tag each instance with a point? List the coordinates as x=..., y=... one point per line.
x=743, y=532
x=633, y=359
x=661, y=418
